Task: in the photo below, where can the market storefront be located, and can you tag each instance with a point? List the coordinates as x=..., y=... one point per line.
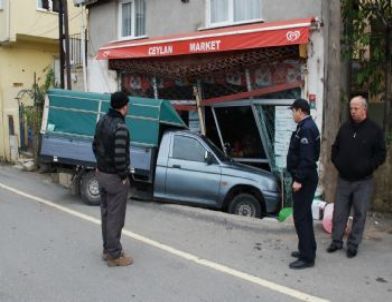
x=237, y=80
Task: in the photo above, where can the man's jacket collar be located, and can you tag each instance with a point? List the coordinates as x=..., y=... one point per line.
x=114, y=113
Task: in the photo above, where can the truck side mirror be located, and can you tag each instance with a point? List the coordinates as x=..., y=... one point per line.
x=208, y=157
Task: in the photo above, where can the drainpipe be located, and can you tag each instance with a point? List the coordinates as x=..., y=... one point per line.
x=83, y=49
x=3, y=120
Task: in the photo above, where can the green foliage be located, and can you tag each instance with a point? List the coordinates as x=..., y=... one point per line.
x=388, y=138
x=366, y=22
x=33, y=114
x=40, y=90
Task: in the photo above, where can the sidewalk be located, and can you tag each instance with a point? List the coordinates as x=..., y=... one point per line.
x=377, y=224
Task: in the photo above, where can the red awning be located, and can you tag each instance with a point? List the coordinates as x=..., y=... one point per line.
x=291, y=32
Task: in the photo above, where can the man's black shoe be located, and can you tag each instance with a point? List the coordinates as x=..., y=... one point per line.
x=300, y=264
x=333, y=247
x=351, y=252
x=295, y=254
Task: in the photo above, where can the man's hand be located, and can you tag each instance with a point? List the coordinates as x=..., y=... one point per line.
x=296, y=186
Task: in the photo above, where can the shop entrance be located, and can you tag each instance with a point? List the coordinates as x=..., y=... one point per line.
x=255, y=132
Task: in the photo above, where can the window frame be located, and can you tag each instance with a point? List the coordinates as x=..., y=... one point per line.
x=44, y=9
x=180, y=136
x=230, y=20
x=120, y=21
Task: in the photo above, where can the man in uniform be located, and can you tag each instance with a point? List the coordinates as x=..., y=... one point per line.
x=302, y=160
x=111, y=149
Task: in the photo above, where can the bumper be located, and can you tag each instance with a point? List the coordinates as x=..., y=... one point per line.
x=272, y=201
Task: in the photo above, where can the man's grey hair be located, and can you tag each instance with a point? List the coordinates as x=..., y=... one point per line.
x=362, y=99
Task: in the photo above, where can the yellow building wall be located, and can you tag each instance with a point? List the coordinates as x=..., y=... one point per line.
x=27, y=20
x=28, y=44
x=18, y=63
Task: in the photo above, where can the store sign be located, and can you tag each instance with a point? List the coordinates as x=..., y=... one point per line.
x=160, y=50
x=204, y=46
x=293, y=35
x=226, y=39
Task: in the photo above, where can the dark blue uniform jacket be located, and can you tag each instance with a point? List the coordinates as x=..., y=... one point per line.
x=304, y=150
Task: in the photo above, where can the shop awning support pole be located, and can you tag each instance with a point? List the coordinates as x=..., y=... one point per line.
x=155, y=87
x=196, y=92
x=260, y=123
x=248, y=81
x=219, y=131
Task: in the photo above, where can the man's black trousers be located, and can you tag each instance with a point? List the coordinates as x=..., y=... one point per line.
x=303, y=219
x=114, y=194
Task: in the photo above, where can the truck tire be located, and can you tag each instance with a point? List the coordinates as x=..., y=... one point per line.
x=245, y=204
x=89, y=189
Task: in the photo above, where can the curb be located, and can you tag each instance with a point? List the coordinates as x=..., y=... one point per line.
x=221, y=218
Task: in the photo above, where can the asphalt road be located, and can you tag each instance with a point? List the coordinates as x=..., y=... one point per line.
x=50, y=250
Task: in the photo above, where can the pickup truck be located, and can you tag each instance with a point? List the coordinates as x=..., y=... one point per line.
x=173, y=163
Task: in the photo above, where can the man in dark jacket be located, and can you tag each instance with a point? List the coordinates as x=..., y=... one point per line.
x=358, y=150
x=302, y=157
x=111, y=149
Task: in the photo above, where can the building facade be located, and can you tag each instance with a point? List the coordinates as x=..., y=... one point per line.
x=28, y=46
x=229, y=51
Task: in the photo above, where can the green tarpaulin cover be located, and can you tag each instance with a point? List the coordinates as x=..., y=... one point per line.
x=75, y=113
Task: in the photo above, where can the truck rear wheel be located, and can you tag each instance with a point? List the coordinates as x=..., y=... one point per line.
x=89, y=189
x=245, y=204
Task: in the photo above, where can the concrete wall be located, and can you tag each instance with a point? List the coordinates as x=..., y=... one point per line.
x=275, y=10
x=102, y=28
x=173, y=16
x=100, y=78
x=314, y=74
x=102, y=25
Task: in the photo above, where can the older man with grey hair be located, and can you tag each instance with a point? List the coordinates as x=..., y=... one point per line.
x=358, y=150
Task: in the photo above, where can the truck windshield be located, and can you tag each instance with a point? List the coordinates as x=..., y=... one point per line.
x=216, y=150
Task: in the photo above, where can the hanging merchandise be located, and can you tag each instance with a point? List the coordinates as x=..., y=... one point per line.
x=235, y=79
x=263, y=77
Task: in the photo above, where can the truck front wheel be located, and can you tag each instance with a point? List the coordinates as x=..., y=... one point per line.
x=89, y=189
x=245, y=204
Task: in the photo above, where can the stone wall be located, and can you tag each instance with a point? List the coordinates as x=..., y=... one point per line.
x=382, y=201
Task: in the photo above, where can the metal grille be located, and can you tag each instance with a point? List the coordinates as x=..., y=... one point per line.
x=199, y=66
x=245, y=78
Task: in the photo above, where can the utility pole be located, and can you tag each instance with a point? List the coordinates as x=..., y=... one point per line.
x=388, y=78
x=67, y=59
x=64, y=43
x=332, y=96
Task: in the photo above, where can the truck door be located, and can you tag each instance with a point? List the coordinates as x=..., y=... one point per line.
x=189, y=177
